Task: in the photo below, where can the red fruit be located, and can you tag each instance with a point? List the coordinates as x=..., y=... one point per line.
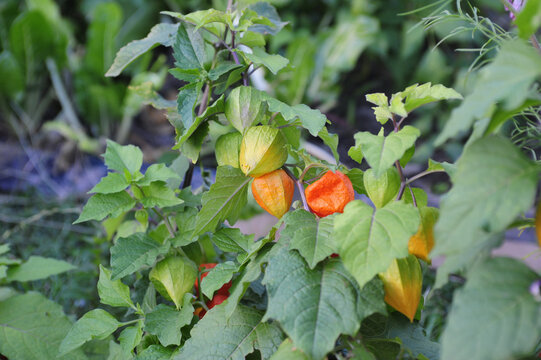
x=224, y=290
x=217, y=300
x=329, y=194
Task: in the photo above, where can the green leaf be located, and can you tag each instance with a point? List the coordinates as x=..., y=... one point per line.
x=272, y=62
x=494, y=304
x=101, y=205
x=223, y=68
x=412, y=337
x=101, y=37
x=112, y=183
x=381, y=152
x=225, y=199
x=113, y=293
x=232, y=240
x=244, y=107
x=288, y=351
x=493, y=184
x=216, y=107
x=189, y=48
x=11, y=74
x=36, y=268
x=173, y=277
x=192, y=146
x=418, y=95
x=311, y=119
x=160, y=195
x=529, y=19
x=155, y=352
x=95, y=324
x=508, y=79
x=397, y=105
x=132, y=253
x=129, y=338
x=217, y=277
x=187, y=98
x=379, y=99
x=369, y=240
x=157, y=172
x=267, y=11
x=165, y=322
x=123, y=158
x=356, y=176
x=186, y=224
x=160, y=34
x=232, y=338
x=331, y=140
x=313, y=307
x=32, y=327
x=313, y=238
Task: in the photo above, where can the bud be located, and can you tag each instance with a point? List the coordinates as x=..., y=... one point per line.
x=274, y=192
x=173, y=277
x=329, y=194
x=422, y=242
x=244, y=107
x=382, y=189
x=403, y=284
x=228, y=148
x=262, y=150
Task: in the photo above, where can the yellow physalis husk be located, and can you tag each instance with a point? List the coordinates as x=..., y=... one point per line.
x=422, y=242
x=403, y=283
x=228, y=149
x=262, y=150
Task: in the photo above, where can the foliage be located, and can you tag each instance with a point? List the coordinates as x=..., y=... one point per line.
x=318, y=284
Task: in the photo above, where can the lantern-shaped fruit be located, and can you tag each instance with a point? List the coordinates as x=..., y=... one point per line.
x=329, y=194
x=262, y=150
x=422, y=242
x=274, y=192
x=228, y=149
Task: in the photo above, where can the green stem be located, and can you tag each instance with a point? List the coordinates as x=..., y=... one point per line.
x=166, y=221
x=421, y=174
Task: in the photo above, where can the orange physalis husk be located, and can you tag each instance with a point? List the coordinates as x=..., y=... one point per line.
x=422, y=242
x=403, y=283
x=274, y=192
x=538, y=223
x=329, y=194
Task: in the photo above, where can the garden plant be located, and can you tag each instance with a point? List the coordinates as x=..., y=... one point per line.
x=340, y=275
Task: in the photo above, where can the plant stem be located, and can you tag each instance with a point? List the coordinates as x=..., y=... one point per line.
x=300, y=187
x=420, y=175
x=412, y=196
x=166, y=221
x=535, y=43
x=402, y=180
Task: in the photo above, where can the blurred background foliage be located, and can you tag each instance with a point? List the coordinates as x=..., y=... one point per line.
x=55, y=99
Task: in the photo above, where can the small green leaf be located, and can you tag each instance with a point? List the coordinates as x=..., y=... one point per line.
x=232, y=240
x=155, y=352
x=331, y=140
x=157, y=172
x=232, y=338
x=495, y=303
x=313, y=238
x=95, y=324
x=272, y=62
x=187, y=98
x=163, y=34
x=36, y=268
x=100, y=206
x=225, y=199
x=113, y=293
x=165, y=322
x=311, y=119
x=379, y=99
x=217, y=277
x=112, y=183
x=369, y=240
x=397, y=105
x=189, y=47
x=412, y=337
x=123, y=158
x=11, y=74
x=267, y=11
x=223, y=68
x=160, y=195
x=381, y=152
x=192, y=146
x=130, y=337
x=418, y=95
x=173, y=277
x=132, y=253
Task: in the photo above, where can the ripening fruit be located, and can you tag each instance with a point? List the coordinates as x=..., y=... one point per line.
x=228, y=148
x=262, y=150
x=329, y=194
x=422, y=242
x=274, y=192
x=538, y=224
x=403, y=283
x=245, y=107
